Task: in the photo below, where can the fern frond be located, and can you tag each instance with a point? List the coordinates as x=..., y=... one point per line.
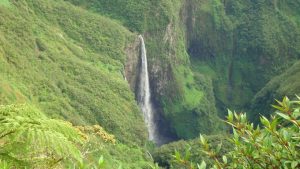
x=29, y=136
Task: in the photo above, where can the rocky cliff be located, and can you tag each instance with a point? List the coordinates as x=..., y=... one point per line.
x=221, y=54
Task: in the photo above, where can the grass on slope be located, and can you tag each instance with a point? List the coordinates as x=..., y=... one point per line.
x=133, y=14
x=4, y=3
x=192, y=95
x=68, y=62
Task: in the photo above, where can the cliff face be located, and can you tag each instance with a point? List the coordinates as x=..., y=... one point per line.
x=132, y=52
x=226, y=51
x=185, y=99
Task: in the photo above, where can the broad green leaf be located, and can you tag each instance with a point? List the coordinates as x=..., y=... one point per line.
x=202, y=139
x=187, y=153
x=265, y=121
x=177, y=155
x=279, y=102
x=202, y=166
x=237, y=116
x=224, y=159
x=230, y=116
x=278, y=107
x=219, y=148
x=294, y=164
x=101, y=162
x=284, y=116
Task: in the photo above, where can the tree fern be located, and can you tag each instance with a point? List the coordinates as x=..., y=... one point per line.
x=28, y=136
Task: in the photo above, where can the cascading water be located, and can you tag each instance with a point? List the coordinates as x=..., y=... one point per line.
x=144, y=95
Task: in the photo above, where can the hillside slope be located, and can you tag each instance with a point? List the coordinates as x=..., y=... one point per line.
x=69, y=62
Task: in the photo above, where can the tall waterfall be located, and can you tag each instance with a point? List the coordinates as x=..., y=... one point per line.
x=144, y=95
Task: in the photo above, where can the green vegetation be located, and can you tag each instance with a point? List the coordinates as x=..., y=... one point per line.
x=235, y=46
x=68, y=62
x=67, y=59
x=164, y=154
x=242, y=45
x=276, y=145
x=30, y=139
x=133, y=14
x=5, y=2
x=286, y=83
x=179, y=96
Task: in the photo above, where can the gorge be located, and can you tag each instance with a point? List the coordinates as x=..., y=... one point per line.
x=147, y=72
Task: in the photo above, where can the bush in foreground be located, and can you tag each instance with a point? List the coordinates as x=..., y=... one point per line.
x=29, y=139
x=274, y=145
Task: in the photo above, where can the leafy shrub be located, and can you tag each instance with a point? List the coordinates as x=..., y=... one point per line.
x=29, y=139
x=276, y=145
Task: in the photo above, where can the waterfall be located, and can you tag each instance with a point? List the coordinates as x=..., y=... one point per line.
x=144, y=95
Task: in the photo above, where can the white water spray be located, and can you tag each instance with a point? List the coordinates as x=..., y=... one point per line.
x=144, y=95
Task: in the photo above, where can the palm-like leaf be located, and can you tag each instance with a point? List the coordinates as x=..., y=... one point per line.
x=28, y=135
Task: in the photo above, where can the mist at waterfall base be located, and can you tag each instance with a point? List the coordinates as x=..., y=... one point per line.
x=151, y=117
